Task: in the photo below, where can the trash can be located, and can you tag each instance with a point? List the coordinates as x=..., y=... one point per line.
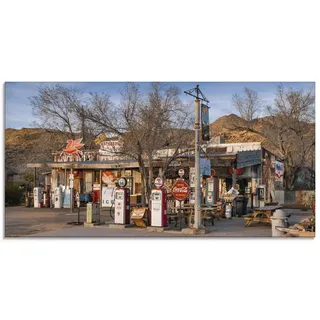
x=278, y=219
x=93, y=212
x=241, y=206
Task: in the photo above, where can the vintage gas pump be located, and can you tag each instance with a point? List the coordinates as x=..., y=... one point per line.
x=46, y=197
x=210, y=192
x=67, y=197
x=122, y=203
x=58, y=197
x=37, y=196
x=249, y=194
x=159, y=200
x=96, y=192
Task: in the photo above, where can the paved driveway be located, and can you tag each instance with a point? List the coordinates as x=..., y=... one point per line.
x=45, y=222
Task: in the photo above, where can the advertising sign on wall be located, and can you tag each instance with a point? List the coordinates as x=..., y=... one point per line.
x=279, y=171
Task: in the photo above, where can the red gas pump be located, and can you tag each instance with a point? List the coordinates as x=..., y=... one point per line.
x=159, y=201
x=46, y=197
x=96, y=193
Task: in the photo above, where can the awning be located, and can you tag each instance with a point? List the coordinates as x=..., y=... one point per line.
x=248, y=158
x=120, y=164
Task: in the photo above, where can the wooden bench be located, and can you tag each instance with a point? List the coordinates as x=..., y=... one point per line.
x=250, y=218
x=260, y=215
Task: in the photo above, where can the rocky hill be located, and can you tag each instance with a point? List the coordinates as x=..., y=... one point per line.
x=29, y=145
x=226, y=127
x=35, y=145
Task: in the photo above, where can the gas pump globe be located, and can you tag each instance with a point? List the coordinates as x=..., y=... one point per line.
x=122, y=203
x=159, y=205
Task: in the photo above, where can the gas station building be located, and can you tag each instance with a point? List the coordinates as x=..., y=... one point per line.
x=246, y=166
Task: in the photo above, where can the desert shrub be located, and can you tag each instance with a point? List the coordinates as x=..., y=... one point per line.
x=13, y=193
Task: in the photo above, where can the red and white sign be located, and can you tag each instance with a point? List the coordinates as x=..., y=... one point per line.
x=279, y=171
x=73, y=147
x=181, y=173
x=158, y=182
x=180, y=190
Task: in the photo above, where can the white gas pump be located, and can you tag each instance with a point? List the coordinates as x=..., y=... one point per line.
x=37, y=197
x=108, y=197
x=122, y=203
x=67, y=198
x=58, y=197
x=159, y=201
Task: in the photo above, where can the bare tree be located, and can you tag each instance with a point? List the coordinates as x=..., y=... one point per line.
x=249, y=105
x=289, y=129
x=54, y=107
x=142, y=123
x=61, y=109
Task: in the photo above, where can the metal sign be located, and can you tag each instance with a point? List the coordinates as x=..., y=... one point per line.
x=192, y=176
x=158, y=182
x=279, y=171
x=175, y=163
x=73, y=147
x=180, y=190
x=122, y=182
x=108, y=177
x=181, y=173
x=205, y=122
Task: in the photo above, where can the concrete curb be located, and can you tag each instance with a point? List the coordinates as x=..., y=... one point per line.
x=194, y=231
x=155, y=229
x=120, y=226
x=87, y=224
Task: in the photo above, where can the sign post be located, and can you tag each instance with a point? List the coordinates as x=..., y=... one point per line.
x=71, y=179
x=196, y=92
x=180, y=192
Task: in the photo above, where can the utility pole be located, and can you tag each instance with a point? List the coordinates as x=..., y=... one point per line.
x=196, y=92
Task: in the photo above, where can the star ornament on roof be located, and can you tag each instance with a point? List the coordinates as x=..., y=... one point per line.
x=73, y=147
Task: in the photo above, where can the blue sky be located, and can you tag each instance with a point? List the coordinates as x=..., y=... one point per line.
x=18, y=112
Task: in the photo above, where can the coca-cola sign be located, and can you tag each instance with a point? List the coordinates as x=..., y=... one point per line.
x=180, y=190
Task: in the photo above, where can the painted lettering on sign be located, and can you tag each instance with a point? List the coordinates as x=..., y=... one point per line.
x=110, y=145
x=180, y=190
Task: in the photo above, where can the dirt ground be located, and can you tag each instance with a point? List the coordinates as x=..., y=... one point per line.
x=22, y=221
